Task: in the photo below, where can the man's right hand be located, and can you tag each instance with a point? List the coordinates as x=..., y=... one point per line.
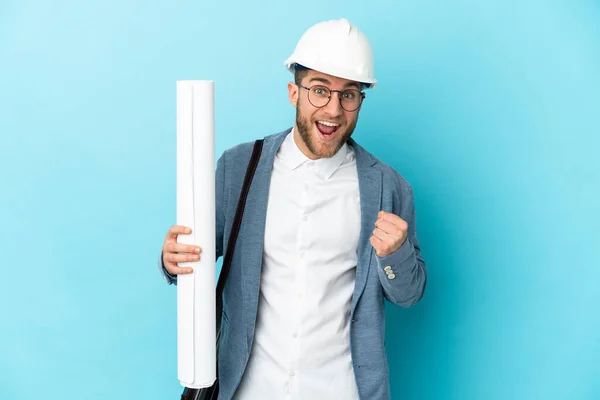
x=174, y=252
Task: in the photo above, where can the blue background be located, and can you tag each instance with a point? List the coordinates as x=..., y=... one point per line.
x=490, y=109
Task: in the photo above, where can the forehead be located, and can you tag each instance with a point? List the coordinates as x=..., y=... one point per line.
x=330, y=80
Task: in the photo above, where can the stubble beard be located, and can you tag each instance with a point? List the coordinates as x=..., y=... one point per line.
x=321, y=149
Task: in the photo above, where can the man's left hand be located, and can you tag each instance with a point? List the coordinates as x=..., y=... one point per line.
x=389, y=235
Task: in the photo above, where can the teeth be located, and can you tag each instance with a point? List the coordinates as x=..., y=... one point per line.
x=327, y=123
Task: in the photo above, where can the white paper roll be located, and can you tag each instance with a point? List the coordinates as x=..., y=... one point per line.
x=196, y=336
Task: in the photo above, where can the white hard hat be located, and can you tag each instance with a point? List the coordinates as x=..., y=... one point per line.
x=335, y=48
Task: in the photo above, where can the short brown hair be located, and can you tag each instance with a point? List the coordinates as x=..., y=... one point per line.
x=299, y=74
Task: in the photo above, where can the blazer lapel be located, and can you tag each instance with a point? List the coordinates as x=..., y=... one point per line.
x=370, y=187
x=253, y=227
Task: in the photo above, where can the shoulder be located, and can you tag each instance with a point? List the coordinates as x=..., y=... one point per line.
x=392, y=178
x=238, y=151
x=242, y=151
x=390, y=174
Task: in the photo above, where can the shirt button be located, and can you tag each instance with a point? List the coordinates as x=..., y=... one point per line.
x=292, y=373
x=301, y=255
x=305, y=218
x=295, y=335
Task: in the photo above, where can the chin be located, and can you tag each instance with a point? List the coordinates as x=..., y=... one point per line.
x=326, y=147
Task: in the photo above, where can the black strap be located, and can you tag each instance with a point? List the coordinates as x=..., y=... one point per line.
x=237, y=221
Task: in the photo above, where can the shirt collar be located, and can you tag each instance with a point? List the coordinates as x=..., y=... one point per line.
x=293, y=157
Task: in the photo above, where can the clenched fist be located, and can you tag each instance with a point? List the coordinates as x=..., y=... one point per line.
x=174, y=252
x=389, y=234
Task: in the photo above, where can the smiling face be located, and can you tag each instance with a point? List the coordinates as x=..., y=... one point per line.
x=321, y=132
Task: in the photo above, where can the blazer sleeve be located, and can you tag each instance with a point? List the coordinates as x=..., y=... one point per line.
x=403, y=274
x=219, y=219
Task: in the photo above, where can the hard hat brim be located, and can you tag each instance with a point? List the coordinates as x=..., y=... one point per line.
x=292, y=66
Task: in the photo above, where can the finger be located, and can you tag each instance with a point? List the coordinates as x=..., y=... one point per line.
x=381, y=235
x=174, y=247
x=394, y=219
x=175, y=270
x=387, y=227
x=178, y=230
x=174, y=258
x=377, y=244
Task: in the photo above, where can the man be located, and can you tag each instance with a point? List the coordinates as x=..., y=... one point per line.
x=328, y=234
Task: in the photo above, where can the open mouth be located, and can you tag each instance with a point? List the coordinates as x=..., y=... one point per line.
x=327, y=129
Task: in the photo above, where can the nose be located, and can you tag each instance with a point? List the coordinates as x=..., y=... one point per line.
x=334, y=107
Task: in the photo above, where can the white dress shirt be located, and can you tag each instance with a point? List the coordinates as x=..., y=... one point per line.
x=301, y=348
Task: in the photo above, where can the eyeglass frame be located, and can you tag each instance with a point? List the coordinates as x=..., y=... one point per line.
x=331, y=91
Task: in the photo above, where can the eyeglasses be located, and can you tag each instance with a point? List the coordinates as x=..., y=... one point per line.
x=319, y=96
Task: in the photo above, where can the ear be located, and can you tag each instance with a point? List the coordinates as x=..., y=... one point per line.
x=293, y=91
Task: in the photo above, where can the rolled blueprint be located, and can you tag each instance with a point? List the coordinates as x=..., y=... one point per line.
x=196, y=330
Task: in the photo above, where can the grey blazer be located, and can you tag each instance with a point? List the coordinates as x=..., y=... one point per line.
x=381, y=188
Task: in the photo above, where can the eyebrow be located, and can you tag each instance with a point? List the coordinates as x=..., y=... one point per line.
x=327, y=82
